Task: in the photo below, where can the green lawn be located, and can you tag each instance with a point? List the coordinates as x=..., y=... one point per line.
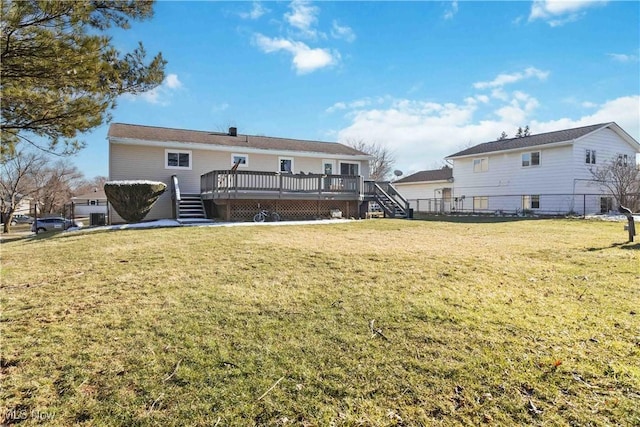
x=373, y=323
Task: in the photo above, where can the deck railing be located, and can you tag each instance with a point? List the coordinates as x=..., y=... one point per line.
x=175, y=197
x=227, y=181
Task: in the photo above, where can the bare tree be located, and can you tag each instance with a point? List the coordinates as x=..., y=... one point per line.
x=17, y=181
x=380, y=167
x=89, y=185
x=56, y=184
x=622, y=179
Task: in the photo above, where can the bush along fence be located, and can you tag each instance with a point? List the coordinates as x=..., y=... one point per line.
x=519, y=205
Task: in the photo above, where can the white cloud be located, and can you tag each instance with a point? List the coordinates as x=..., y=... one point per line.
x=342, y=32
x=305, y=59
x=216, y=108
x=303, y=17
x=161, y=94
x=622, y=57
x=423, y=133
x=257, y=10
x=625, y=111
x=171, y=81
x=504, y=79
x=357, y=104
x=450, y=13
x=560, y=12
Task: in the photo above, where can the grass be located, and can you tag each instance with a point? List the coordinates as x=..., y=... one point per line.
x=515, y=322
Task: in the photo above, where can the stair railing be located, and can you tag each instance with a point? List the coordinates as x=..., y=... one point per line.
x=175, y=197
x=390, y=193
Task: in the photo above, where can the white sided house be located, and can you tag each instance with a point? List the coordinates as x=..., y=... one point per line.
x=428, y=191
x=548, y=173
x=231, y=175
x=94, y=202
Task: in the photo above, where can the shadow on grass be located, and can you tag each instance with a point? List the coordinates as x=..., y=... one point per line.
x=627, y=246
x=471, y=219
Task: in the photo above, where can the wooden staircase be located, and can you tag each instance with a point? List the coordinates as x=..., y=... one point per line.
x=190, y=208
x=187, y=208
x=391, y=202
x=391, y=207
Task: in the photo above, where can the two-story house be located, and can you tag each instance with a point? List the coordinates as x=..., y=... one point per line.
x=545, y=173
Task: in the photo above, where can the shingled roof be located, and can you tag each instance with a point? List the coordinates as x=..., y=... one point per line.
x=530, y=141
x=442, y=174
x=122, y=131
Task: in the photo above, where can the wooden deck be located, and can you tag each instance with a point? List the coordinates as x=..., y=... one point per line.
x=227, y=184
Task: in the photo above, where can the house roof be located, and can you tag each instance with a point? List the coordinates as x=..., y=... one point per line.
x=161, y=134
x=442, y=174
x=97, y=194
x=566, y=135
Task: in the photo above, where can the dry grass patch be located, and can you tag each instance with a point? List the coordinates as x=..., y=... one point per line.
x=503, y=323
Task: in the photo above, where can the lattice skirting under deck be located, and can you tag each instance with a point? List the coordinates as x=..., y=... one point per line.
x=244, y=210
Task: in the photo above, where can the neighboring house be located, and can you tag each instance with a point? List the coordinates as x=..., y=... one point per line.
x=428, y=191
x=25, y=206
x=545, y=173
x=231, y=175
x=94, y=202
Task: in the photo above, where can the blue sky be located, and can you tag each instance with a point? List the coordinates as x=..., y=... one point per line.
x=424, y=79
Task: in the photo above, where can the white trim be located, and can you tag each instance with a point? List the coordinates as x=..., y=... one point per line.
x=281, y=158
x=230, y=149
x=530, y=153
x=241, y=165
x=170, y=150
x=480, y=169
x=341, y=162
x=333, y=165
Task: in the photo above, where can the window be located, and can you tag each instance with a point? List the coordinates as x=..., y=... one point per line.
x=93, y=203
x=623, y=160
x=480, y=203
x=481, y=165
x=242, y=160
x=606, y=204
x=349, y=168
x=590, y=157
x=531, y=202
x=177, y=159
x=286, y=164
x=531, y=159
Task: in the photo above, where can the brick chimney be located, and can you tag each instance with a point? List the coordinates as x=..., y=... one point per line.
x=233, y=131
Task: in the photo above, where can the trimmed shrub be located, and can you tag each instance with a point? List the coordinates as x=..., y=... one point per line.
x=133, y=199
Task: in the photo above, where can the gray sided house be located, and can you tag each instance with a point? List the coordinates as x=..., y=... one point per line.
x=544, y=173
x=230, y=176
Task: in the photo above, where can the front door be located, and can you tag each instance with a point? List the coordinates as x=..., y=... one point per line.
x=446, y=200
x=328, y=170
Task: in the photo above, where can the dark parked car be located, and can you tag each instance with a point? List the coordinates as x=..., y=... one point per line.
x=21, y=219
x=54, y=223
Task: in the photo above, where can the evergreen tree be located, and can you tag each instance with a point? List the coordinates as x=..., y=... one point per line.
x=61, y=75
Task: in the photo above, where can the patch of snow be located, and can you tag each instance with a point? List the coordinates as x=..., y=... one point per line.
x=612, y=217
x=132, y=182
x=173, y=223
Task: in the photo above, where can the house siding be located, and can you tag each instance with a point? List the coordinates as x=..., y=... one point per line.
x=142, y=162
x=562, y=178
x=421, y=195
x=507, y=176
x=608, y=146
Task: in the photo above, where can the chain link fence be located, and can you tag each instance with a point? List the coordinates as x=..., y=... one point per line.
x=520, y=205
